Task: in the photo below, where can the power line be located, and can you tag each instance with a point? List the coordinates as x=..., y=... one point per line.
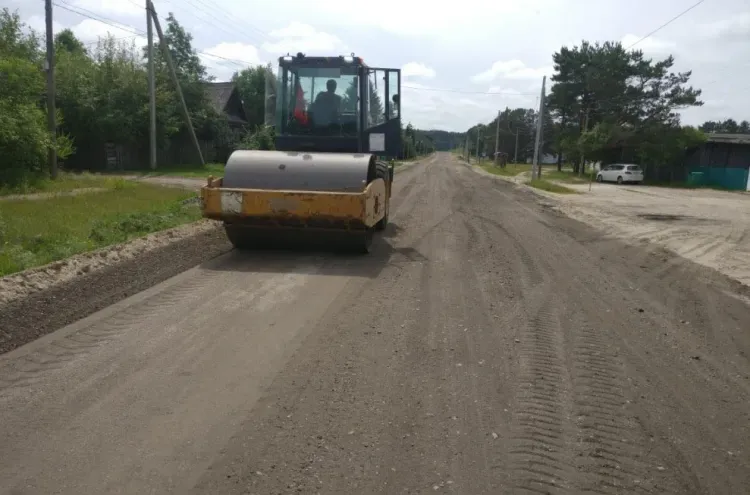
x=95, y=17
x=508, y=93
x=136, y=32
x=667, y=23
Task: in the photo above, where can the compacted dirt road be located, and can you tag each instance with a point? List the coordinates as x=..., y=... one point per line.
x=488, y=346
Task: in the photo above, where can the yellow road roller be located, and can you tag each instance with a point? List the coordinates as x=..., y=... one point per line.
x=337, y=123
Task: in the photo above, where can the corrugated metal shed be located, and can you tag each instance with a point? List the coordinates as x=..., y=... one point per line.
x=717, y=137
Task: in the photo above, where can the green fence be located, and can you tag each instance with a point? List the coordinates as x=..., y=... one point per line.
x=733, y=178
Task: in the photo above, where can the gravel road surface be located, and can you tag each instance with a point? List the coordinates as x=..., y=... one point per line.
x=489, y=345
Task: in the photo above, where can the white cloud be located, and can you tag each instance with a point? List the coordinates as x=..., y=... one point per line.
x=431, y=108
x=415, y=69
x=511, y=69
x=37, y=23
x=417, y=18
x=224, y=59
x=90, y=31
x=649, y=45
x=299, y=37
x=113, y=7
x=734, y=28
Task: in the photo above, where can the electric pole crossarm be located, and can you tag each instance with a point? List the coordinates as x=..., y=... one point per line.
x=173, y=73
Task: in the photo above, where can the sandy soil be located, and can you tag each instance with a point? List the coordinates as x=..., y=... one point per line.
x=709, y=227
x=489, y=344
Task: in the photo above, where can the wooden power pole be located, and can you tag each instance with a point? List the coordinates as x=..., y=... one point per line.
x=468, y=158
x=51, y=109
x=151, y=88
x=536, y=169
x=173, y=73
x=479, y=160
x=497, y=137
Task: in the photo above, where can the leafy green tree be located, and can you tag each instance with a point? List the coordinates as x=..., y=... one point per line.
x=24, y=139
x=192, y=75
x=66, y=41
x=251, y=84
x=729, y=126
x=620, y=93
x=14, y=42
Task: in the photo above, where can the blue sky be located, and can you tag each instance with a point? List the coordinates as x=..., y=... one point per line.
x=451, y=53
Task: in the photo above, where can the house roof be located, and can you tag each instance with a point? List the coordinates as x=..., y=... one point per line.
x=219, y=94
x=717, y=137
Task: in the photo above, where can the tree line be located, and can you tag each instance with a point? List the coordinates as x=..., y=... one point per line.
x=608, y=104
x=102, y=96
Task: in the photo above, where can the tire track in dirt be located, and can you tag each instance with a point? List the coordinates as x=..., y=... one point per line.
x=603, y=455
x=541, y=431
x=533, y=268
x=567, y=371
x=31, y=368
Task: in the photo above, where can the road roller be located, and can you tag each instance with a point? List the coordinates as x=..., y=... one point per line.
x=337, y=125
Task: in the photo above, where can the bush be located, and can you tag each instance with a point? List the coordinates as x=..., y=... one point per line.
x=24, y=139
x=260, y=139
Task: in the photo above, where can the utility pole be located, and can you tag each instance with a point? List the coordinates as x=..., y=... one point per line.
x=51, y=110
x=582, y=170
x=478, y=133
x=468, y=157
x=536, y=169
x=151, y=88
x=515, y=149
x=497, y=137
x=173, y=73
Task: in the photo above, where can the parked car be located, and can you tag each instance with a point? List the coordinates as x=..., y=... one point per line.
x=620, y=173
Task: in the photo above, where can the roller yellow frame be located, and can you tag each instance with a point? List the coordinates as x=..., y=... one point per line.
x=354, y=210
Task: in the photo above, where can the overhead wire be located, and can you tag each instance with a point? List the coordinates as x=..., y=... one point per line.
x=124, y=27
x=243, y=63
x=667, y=23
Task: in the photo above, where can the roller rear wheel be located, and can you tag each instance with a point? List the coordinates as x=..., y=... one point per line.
x=384, y=173
x=241, y=238
x=245, y=238
x=363, y=242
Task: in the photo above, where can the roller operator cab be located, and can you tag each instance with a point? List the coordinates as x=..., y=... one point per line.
x=337, y=104
x=336, y=120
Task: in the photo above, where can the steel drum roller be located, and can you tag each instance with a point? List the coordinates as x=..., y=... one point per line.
x=299, y=171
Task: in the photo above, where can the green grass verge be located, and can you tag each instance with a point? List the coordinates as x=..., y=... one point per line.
x=190, y=171
x=510, y=170
x=548, y=186
x=37, y=232
x=566, y=176
x=65, y=182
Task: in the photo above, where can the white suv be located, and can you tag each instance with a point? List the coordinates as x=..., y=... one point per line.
x=619, y=172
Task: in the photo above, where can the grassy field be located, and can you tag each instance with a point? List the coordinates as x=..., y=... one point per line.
x=197, y=171
x=65, y=182
x=546, y=185
x=37, y=232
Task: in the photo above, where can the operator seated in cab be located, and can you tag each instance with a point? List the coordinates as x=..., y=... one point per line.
x=327, y=105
